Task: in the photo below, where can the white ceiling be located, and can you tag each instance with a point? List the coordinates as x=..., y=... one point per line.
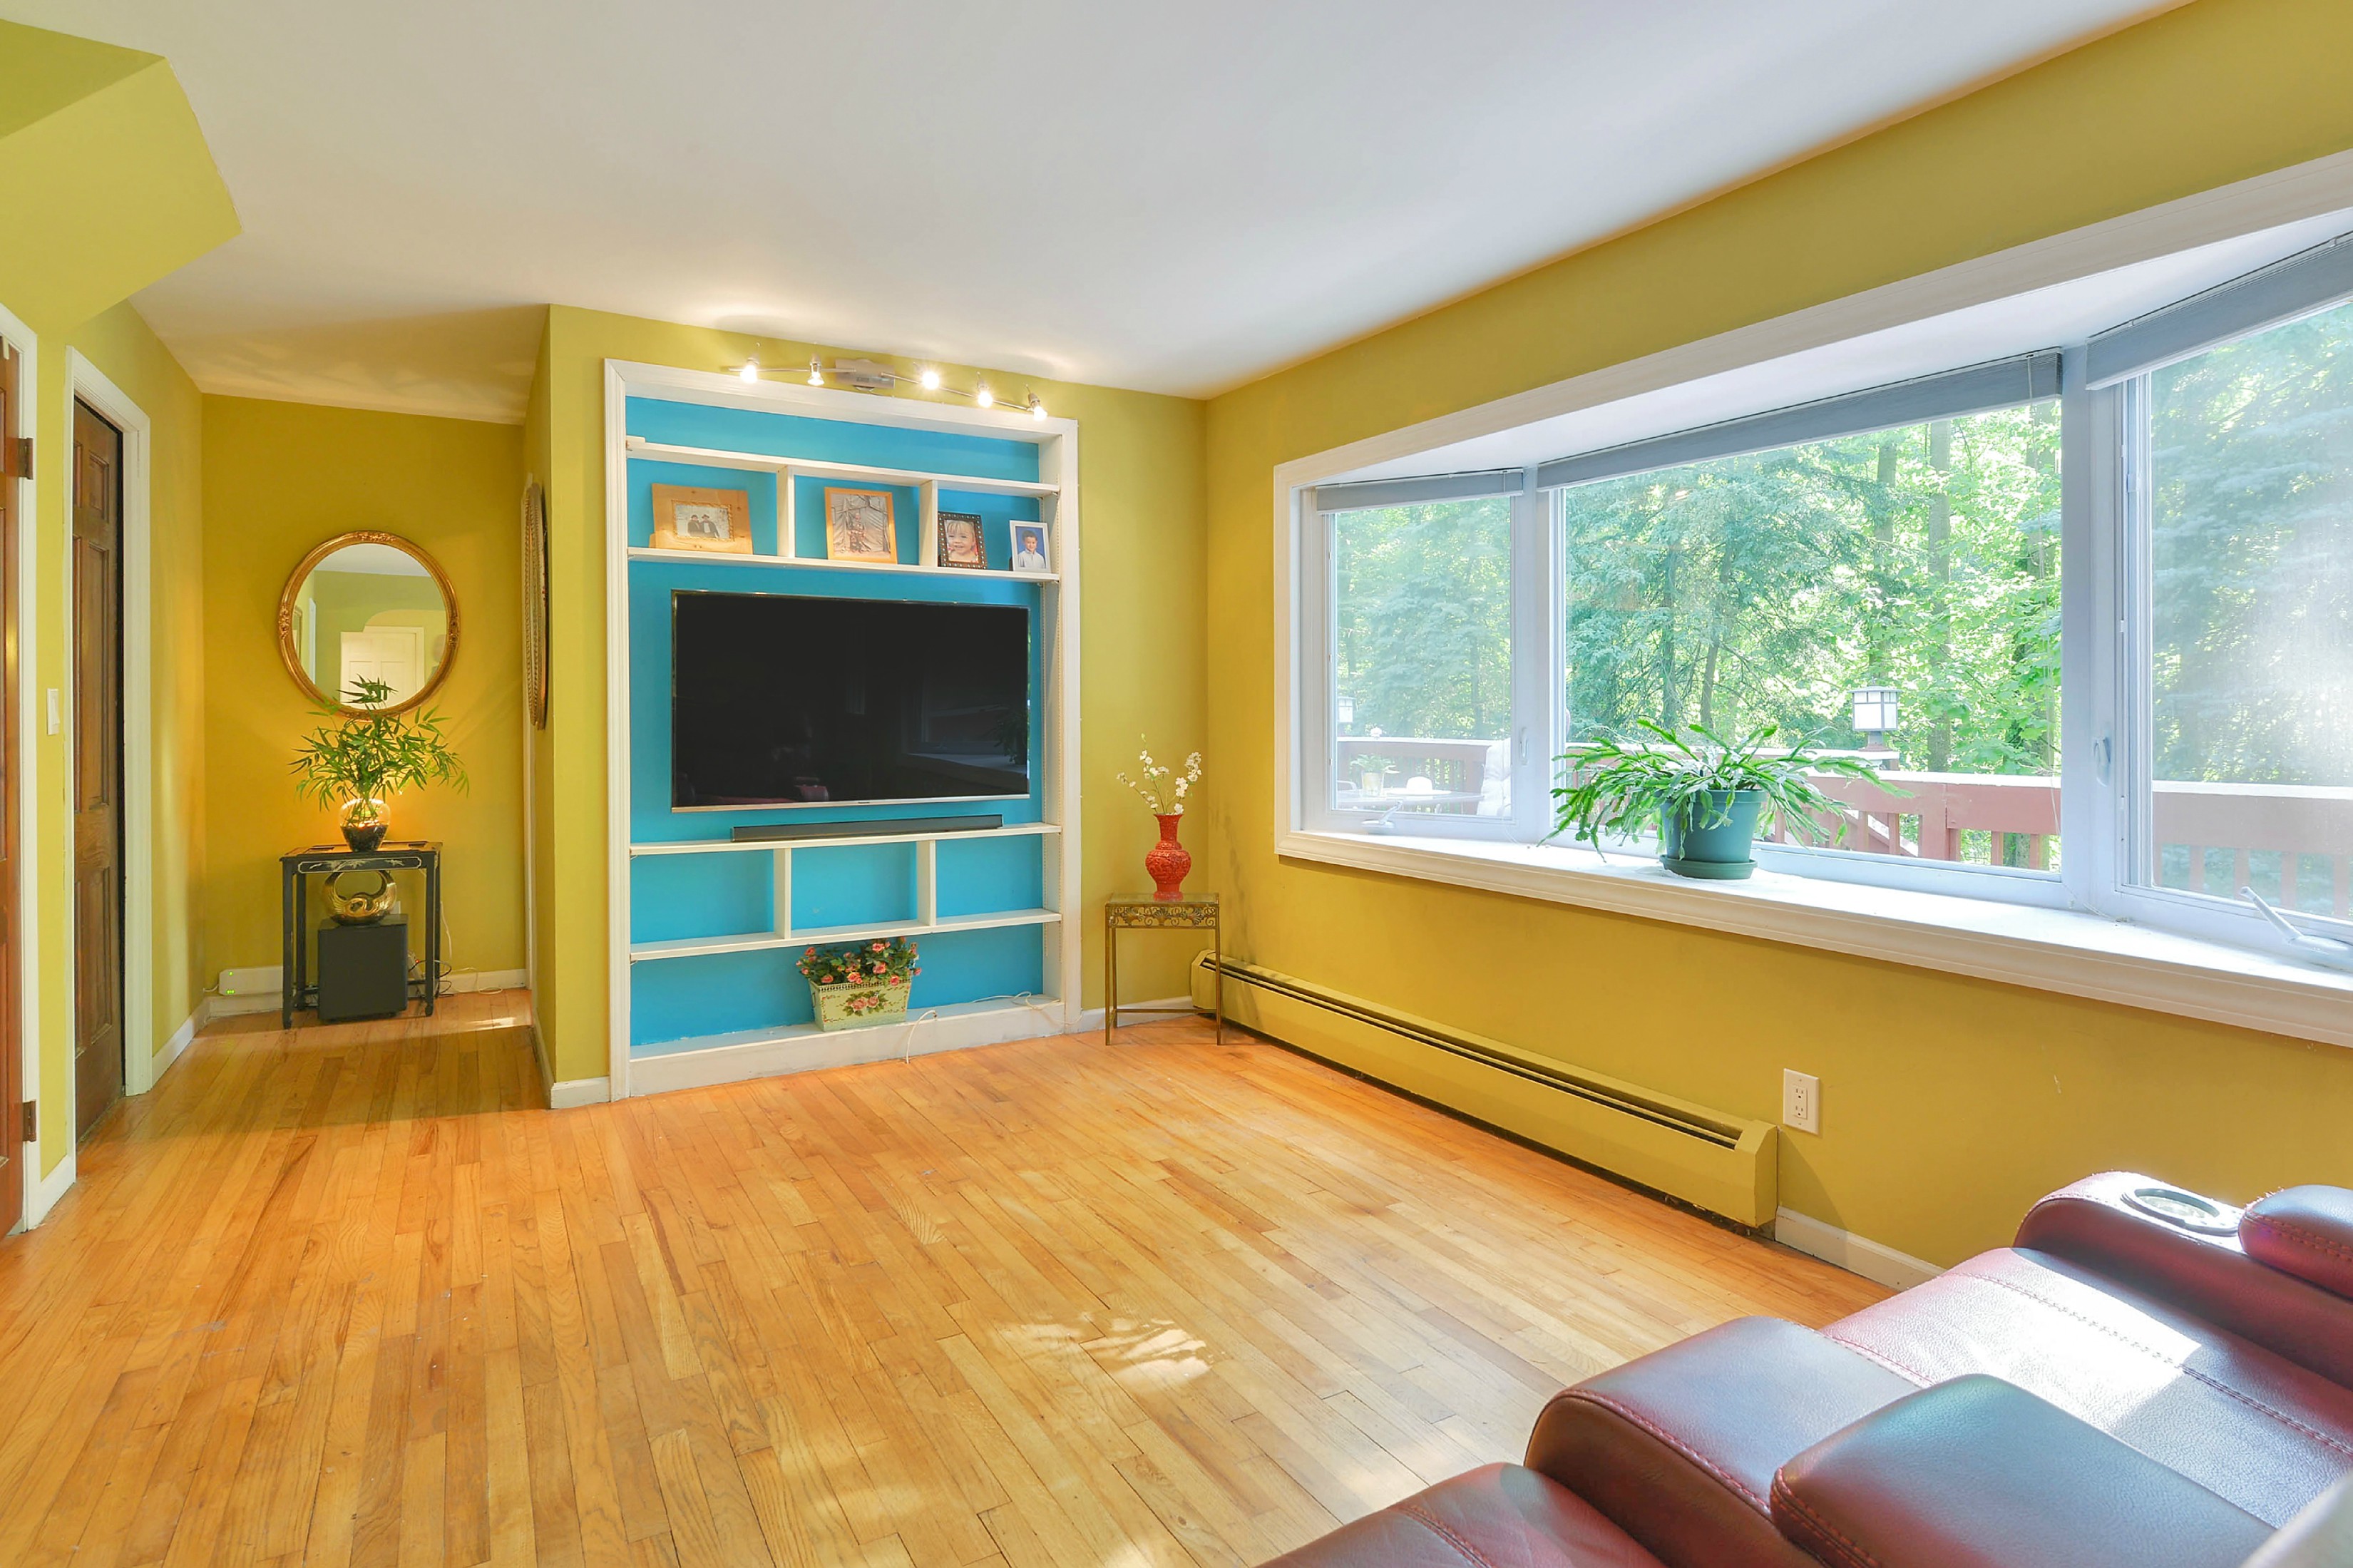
x=1174, y=199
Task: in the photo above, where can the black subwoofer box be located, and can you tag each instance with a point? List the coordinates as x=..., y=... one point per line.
x=363, y=971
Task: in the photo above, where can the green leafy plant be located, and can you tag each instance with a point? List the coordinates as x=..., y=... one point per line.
x=1617, y=787
x=861, y=963
x=353, y=766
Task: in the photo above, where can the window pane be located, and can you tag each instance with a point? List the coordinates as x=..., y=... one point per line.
x=1422, y=667
x=1921, y=562
x=2251, y=558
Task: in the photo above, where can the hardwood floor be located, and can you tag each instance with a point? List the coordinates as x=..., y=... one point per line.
x=347, y=1296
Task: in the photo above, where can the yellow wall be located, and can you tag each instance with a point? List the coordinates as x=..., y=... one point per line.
x=1948, y=1104
x=1140, y=501
x=107, y=186
x=279, y=479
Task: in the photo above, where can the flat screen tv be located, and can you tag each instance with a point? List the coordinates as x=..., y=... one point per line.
x=779, y=700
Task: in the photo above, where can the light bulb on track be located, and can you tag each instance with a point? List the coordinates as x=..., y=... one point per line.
x=982, y=395
x=930, y=379
x=751, y=371
x=1036, y=408
x=817, y=377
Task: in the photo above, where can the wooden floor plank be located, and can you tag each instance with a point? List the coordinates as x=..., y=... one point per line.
x=348, y=1296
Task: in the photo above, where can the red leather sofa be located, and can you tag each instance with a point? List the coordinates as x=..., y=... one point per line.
x=2144, y=1377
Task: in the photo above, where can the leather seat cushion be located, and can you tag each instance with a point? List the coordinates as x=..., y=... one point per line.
x=2244, y=1423
x=1499, y=1516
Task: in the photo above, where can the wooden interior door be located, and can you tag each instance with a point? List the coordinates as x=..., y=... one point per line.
x=12, y=468
x=97, y=767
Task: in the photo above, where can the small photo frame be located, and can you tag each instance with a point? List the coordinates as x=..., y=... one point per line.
x=861, y=525
x=1029, y=547
x=686, y=518
x=960, y=541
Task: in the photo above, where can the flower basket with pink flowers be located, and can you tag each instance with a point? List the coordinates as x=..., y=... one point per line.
x=861, y=983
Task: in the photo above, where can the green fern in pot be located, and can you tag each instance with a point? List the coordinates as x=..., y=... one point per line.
x=1707, y=796
x=356, y=767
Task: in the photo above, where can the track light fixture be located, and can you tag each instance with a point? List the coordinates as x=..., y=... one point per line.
x=866, y=375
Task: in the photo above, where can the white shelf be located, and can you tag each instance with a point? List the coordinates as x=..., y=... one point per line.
x=730, y=846
x=712, y=558
x=760, y=462
x=701, y=1060
x=760, y=942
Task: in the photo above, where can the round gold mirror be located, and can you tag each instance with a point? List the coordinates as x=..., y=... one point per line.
x=369, y=623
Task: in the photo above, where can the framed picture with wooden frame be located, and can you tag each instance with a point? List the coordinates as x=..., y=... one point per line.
x=861, y=525
x=688, y=518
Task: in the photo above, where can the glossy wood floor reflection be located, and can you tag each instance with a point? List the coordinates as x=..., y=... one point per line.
x=346, y=1296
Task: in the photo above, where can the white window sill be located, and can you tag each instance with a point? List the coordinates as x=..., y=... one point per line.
x=2049, y=949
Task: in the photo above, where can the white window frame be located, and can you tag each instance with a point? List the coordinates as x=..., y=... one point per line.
x=1534, y=736
x=2096, y=934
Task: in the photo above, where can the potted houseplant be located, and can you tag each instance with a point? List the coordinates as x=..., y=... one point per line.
x=1707, y=795
x=861, y=983
x=357, y=766
x=1163, y=789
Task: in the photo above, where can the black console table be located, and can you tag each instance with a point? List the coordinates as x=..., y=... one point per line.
x=296, y=989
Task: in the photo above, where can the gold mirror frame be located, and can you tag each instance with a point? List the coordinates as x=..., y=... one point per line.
x=287, y=652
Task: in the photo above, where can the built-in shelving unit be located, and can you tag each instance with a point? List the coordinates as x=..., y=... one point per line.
x=928, y=485
x=721, y=931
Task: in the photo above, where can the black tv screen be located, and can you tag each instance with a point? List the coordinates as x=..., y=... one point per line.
x=776, y=699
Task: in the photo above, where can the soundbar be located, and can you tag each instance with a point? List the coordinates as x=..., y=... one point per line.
x=767, y=832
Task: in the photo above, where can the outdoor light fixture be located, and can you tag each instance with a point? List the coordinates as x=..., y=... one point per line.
x=1344, y=707
x=1875, y=712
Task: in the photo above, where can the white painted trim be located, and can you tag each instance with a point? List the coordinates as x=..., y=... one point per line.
x=47, y=1190
x=802, y=1050
x=2066, y=950
x=29, y=882
x=574, y=1092
x=1159, y=1009
x=1855, y=1254
x=265, y=998
x=180, y=1038
x=1057, y=440
x=86, y=382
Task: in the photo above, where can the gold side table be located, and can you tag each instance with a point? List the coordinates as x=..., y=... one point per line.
x=1153, y=914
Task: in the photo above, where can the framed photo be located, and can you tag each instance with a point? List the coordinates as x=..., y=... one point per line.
x=861, y=525
x=686, y=518
x=960, y=540
x=1029, y=547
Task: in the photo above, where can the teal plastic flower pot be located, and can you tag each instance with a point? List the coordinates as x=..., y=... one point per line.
x=1712, y=840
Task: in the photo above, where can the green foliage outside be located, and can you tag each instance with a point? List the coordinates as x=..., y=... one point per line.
x=1765, y=589
x=1424, y=633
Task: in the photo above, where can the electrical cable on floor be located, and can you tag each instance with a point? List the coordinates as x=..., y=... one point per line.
x=1043, y=1005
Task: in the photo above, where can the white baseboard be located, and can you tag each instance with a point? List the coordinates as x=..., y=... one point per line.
x=1147, y=1012
x=169, y=1051
x=574, y=1092
x=1855, y=1254
x=46, y=1192
x=258, y=989
x=758, y=1055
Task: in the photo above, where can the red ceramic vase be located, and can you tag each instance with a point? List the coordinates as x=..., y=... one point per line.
x=1166, y=861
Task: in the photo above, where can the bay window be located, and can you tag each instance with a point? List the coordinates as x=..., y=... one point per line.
x=2088, y=610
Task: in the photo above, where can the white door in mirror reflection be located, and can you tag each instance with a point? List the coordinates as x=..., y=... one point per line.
x=394, y=655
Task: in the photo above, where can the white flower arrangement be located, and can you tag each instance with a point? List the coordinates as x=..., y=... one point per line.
x=1163, y=789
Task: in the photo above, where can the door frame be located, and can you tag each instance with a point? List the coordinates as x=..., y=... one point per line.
x=86, y=382
x=28, y=770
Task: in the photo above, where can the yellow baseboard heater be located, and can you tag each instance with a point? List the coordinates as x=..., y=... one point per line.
x=1725, y=1164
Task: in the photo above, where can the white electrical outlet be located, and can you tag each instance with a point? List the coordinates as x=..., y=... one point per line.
x=1802, y=1101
